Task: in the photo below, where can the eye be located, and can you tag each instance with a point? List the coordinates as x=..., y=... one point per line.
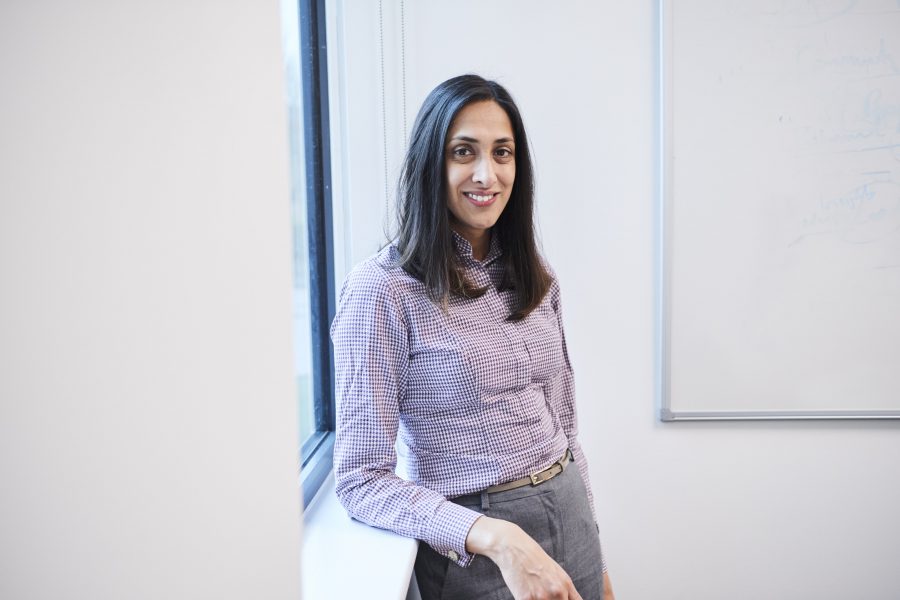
x=504, y=153
x=461, y=152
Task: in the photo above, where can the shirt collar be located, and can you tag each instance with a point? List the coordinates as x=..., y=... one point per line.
x=464, y=248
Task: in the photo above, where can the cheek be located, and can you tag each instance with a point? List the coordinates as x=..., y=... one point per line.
x=510, y=175
x=455, y=177
x=453, y=185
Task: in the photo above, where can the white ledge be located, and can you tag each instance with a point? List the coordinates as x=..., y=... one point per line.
x=343, y=558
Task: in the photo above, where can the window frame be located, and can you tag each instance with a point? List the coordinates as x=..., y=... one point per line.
x=317, y=452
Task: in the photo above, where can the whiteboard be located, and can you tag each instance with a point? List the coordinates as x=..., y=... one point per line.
x=780, y=209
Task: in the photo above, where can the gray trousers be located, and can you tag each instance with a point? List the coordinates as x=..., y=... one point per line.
x=555, y=513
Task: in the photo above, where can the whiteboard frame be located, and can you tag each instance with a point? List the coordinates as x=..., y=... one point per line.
x=664, y=232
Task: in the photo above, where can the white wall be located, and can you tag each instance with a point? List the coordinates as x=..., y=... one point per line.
x=147, y=414
x=700, y=511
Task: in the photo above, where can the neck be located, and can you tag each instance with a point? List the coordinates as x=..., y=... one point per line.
x=480, y=240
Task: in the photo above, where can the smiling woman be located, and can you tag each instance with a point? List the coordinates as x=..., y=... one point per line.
x=428, y=197
x=481, y=170
x=451, y=339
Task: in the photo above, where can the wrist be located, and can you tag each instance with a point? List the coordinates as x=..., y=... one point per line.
x=488, y=536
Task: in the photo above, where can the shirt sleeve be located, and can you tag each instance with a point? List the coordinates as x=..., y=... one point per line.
x=371, y=344
x=564, y=404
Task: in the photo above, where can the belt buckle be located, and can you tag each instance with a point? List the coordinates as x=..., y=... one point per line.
x=542, y=476
x=536, y=478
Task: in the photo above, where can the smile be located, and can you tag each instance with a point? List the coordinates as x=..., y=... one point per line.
x=481, y=200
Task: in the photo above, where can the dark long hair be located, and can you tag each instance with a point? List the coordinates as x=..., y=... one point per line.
x=424, y=239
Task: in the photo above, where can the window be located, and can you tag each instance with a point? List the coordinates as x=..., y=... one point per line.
x=307, y=96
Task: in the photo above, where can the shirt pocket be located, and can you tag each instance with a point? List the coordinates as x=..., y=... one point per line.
x=440, y=381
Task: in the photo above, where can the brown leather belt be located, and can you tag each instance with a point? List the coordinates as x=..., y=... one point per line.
x=535, y=478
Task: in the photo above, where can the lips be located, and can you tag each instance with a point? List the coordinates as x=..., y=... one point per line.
x=481, y=199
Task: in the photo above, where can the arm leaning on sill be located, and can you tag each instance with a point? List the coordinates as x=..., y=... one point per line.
x=343, y=558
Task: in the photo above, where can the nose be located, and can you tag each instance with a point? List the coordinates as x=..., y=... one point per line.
x=484, y=172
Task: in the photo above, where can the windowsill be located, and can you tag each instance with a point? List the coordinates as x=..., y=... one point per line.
x=343, y=558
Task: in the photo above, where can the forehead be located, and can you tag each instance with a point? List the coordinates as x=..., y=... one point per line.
x=484, y=121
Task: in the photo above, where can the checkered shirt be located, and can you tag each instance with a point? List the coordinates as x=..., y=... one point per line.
x=475, y=400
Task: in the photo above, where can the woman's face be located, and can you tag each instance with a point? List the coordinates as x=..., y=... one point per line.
x=481, y=166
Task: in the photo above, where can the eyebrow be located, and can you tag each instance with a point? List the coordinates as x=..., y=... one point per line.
x=503, y=140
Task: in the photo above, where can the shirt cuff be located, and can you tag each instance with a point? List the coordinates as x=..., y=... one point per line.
x=449, y=537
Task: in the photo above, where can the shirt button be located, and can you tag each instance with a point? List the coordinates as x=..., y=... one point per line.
x=452, y=555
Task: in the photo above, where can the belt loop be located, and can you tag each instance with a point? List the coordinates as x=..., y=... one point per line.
x=485, y=500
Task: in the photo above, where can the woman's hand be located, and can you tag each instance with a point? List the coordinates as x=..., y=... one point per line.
x=527, y=570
